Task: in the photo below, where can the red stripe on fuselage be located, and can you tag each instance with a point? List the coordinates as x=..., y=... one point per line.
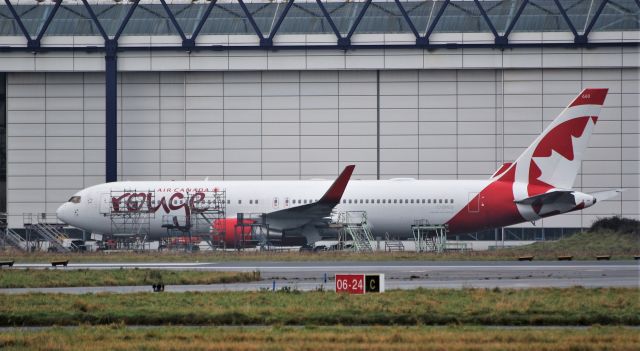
x=497, y=207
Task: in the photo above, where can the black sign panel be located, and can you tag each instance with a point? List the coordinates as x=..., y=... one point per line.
x=372, y=283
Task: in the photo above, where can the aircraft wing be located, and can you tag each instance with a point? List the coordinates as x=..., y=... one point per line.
x=300, y=216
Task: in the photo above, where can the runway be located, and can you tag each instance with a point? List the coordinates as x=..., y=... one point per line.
x=307, y=276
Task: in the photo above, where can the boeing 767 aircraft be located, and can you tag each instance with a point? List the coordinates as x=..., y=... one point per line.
x=537, y=185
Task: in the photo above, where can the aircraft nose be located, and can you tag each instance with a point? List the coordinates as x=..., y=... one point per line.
x=63, y=213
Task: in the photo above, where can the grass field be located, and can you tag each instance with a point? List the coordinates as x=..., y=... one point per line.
x=613, y=236
x=335, y=338
x=48, y=278
x=574, y=306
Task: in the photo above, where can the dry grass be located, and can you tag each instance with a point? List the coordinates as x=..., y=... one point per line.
x=575, y=306
x=47, y=278
x=336, y=338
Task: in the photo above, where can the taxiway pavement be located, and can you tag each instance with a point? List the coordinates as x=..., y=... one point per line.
x=307, y=276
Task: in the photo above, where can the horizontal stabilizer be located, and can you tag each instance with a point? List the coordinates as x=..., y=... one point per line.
x=606, y=194
x=547, y=198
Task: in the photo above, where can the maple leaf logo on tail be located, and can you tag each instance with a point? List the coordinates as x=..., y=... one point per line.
x=552, y=161
x=538, y=183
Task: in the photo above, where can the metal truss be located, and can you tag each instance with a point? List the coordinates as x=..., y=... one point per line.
x=266, y=40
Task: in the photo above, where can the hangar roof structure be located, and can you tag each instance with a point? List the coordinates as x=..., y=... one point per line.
x=36, y=20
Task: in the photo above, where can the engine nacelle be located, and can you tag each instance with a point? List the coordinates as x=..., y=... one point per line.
x=230, y=232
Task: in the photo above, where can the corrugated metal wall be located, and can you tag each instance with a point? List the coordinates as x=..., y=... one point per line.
x=432, y=124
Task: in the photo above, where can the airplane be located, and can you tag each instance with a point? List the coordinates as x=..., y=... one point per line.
x=537, y=185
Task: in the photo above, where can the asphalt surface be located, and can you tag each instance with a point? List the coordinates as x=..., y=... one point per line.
x=307, y=276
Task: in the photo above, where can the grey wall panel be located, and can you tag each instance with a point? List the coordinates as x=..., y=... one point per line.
x=201, y=142
x=357, y=141
x=399, y=169
x=399, y=114
x=320, y=155
x=25, y=143
x=318, y=169
x=318, y=115
x=280, y=155
x=280, y=168
x=27, y=182
x=434, y=124
x=202, y=170
x=26, y=116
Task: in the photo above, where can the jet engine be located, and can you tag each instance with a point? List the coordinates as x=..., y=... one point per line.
x=232, y=233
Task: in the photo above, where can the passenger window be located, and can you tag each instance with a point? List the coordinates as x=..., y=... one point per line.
x=378, y=201
x=256, y=202
x=395, y=201
x=450, y=201
x=440, y=201
x=250, y=202
x=422, y=200
x=239, y=202
x=361, y=201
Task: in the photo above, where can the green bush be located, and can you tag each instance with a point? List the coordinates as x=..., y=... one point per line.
x=616, y=224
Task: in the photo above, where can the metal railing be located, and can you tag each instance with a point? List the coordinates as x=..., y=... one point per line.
x=355, y=225
x=15, y=240
x=50, y=229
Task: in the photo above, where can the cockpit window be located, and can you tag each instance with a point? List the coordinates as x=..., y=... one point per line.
x=75, y=199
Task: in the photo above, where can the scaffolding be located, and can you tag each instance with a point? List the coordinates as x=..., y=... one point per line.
x=206, y=213
x=429, y=237
x=130, y=212
x=179, y=236
x=47, y=227
x=392, y=244
x=353, y=226
x=10, y=237
x=203, y=210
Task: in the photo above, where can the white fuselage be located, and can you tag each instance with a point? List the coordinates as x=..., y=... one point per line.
x=391, y=205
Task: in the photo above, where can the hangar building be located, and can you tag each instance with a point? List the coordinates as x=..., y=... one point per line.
x=104, y=90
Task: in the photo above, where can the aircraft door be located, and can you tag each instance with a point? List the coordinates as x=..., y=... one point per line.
x=276, y=203
x=474, y=203
x=105, y=203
